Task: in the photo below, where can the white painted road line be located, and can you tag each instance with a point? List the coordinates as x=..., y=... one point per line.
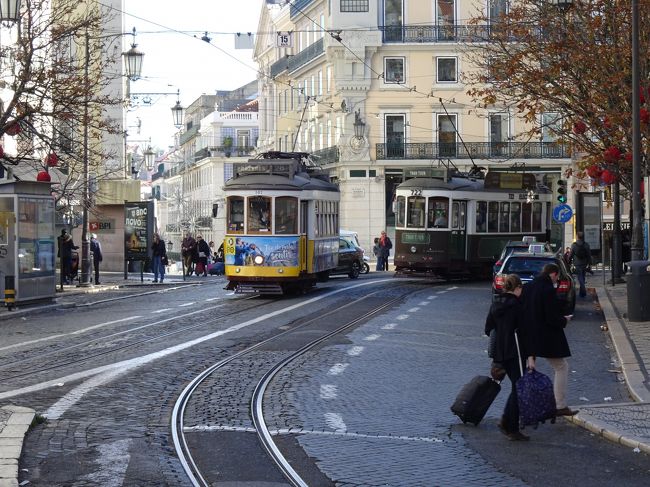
x=161, y=310
x=337, y=369
x=423, y=303
x=328, y=391
x=355, y=351
x=372, y=337
x=432, y=297
x=389, y=326
x=76, y=332
x=186, y=304
x=211, y=299
x=413, y=310
x=335, y=421
x=402, y=317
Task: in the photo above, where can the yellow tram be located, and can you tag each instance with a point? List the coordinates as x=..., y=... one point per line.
x=282, y=224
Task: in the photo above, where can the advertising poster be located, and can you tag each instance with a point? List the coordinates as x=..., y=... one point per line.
x=138, y=229
x=274, y=251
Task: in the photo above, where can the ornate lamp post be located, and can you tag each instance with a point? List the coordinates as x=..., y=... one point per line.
x=359, y=126
x=178, y=112
x=133, y=61
x=149, y=158
x=9, y=10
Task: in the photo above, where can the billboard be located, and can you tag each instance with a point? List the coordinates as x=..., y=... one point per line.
x=138, y=229
x=270, y=251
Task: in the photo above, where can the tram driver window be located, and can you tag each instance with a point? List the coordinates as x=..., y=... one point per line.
x=415, y=212
x=493, y=216
x=259, y=214
x=504, y=217
x=286, y=215
x=438, y=213
x=235, y=214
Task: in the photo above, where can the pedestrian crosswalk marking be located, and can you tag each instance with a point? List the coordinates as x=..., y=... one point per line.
x=337, y=369
x=354, y=351
x=372, y=337
x=328, y=391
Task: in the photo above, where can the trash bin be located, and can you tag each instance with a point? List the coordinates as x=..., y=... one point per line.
x=638, y=291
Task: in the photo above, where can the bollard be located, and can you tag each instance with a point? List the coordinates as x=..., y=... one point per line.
x=10, y=292
x=638, y=291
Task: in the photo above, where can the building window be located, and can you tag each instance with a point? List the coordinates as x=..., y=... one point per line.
x=394, y=69
x=357, y=173
x=446, y=70
x=354, y=5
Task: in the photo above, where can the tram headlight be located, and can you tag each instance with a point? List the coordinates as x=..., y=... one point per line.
x=280, y=271
x=413, y=249
x=238, y=270
x=258, y=260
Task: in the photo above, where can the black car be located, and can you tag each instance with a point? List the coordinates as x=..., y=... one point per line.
x=350, y=258
x=527, y=265
x=517, y=246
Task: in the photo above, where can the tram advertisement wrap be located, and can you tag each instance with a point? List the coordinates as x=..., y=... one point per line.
x=262, y=251
x=138, y=229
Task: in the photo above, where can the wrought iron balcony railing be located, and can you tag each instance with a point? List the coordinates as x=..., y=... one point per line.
x=303, y=57
x=326, y=156
x=477, y=150
x=441, y=33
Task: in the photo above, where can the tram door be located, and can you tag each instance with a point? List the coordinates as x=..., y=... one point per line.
x=304, y=231
x=458, y=235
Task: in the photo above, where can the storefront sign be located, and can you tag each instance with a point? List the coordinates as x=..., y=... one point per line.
x=609, y=226
x=102, y=226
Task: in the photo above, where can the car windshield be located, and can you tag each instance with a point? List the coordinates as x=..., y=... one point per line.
x=524, y=265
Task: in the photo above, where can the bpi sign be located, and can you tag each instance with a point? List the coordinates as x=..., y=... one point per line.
x=103, y=226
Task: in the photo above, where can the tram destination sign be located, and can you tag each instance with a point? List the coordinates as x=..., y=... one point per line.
x=415, y=238
x=265, y=166
x=508, y=180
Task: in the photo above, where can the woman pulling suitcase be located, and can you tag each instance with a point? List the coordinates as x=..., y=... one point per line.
x=505, y=317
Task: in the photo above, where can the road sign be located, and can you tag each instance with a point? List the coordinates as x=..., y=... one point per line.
x=284, y=39
x=562, y=213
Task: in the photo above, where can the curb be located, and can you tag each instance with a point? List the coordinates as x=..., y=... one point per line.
x=11, y=441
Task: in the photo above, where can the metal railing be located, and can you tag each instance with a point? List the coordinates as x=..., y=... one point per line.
x=329, y=155
x=303, y=57
x=478, y=150
x=453, y=32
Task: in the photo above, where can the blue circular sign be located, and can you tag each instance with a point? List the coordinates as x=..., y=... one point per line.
x=562, y=213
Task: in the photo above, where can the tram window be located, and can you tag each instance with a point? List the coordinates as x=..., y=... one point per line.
x=463, y=212
x=415, y=212
x=286, y=215
x=481, y=216
x=259, y=214
x=504, y=217
x=235, y=214
x=493, y=216
x=526, y=214
x=400, y=206
x=537, y=217
x=455, y=209
x=515, y=217
x=438, y=216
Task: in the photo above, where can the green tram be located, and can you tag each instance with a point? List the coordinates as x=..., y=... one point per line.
x=455, y=225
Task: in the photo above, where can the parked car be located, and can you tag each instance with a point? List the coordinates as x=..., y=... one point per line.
x=517, y=246
x=350, y=258
x=354, y=236
x=527, y=265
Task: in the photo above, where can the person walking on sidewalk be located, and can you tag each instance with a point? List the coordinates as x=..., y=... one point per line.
x=383, y=250
x=203, y=250
x=581, y=258
x=188, y=248
x=542, y=332
x=505, y=317
x=96, y=249
x=159, y=255
x=66, y=246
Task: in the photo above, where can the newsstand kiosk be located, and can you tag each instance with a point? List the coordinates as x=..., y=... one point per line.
x=27, y=242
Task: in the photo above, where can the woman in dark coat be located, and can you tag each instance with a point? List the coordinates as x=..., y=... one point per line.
x=203, y=251
x=543, y=332
x=505, y=317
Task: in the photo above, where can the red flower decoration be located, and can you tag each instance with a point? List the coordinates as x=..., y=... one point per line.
x=52, y=159
x=594, y=171
x=644, y=115
x=641, y=95
x=579, y=127
x=628, y=156
x=13, y=129
x=43, y=177
x=607, y=176
x=612, y=154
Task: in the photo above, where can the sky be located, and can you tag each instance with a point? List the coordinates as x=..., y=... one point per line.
x=175, y=58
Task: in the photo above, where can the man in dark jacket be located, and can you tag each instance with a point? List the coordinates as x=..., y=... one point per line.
x=581, y=258
x=96, y=249
x=543, y=332
x=66, y=246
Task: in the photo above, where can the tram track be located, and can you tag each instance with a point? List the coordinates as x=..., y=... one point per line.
x=20, y=368
x=298, y=332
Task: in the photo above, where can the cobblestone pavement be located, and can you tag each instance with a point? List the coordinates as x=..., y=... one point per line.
x=349, y=440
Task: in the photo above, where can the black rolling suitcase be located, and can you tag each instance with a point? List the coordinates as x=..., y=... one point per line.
x=475, y=398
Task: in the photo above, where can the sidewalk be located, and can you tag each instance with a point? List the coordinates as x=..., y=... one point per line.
x=627, y=424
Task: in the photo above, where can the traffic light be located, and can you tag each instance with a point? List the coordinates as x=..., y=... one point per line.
x=561, y=191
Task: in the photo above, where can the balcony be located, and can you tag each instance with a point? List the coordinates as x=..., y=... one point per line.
x=280, y=66
x=298, y=7
x=436, y=33
x=188, y=135
x=476, y=150
x=326, y=156
x=303, y=57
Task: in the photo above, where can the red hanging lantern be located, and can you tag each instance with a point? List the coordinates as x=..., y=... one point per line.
x=43, y=177
x=594, y=171
x=612, y=154
x=579, y=127
x=52, y=159
x=644, y=115
x=607, y=177
x=13, y=129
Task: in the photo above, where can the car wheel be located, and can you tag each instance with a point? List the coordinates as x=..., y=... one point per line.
x=366, y=268
x=355, y=270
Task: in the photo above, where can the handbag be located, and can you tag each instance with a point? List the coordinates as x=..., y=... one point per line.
x=164, y=260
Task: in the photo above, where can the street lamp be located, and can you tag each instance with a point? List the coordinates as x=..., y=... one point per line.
x=133, y=61
x=359, y=126
x=149, y=158
x=9, y=10
x=177, y=112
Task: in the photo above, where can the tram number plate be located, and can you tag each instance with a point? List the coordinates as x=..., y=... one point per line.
x=416, y=192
